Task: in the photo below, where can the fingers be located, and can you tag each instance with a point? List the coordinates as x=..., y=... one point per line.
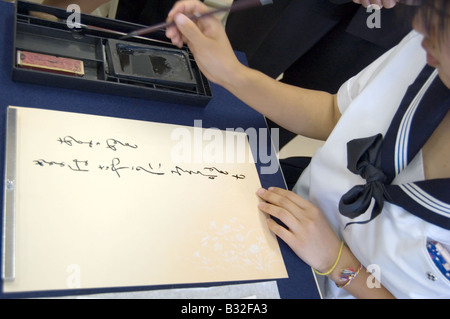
x=189, y=30
x=179, y=14
x=298, y=216
x=364, y=3
x=380, y=3
x=281, y=232
x=282, y=195
x=187, y=8
x=388, y=4
x=281, y=213
x=286, y=206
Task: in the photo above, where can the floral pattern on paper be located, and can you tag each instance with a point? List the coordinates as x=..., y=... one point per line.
x=233, y=245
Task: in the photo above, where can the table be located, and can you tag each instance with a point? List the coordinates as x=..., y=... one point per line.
x=224, y=111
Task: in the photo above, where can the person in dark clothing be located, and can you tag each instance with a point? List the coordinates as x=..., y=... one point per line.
x=307, y=40
x=144, y=12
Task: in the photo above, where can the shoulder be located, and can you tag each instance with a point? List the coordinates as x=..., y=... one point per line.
x=394, y=69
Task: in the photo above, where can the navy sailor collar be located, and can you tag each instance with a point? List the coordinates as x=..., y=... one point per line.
x=380, y=159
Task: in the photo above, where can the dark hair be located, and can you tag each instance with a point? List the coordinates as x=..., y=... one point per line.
x=435, y=10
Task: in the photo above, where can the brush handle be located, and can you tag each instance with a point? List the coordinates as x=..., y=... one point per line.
x=237, y=6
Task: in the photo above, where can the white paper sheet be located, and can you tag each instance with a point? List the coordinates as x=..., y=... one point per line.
x=106, y=202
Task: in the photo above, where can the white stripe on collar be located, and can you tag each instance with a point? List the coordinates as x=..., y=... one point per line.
x=426, y=200
x=401, y=144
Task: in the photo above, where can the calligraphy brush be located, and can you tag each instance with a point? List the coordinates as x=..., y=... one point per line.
x=237, y=6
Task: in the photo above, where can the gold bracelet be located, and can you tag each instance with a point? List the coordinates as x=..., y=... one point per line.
x=335, y=264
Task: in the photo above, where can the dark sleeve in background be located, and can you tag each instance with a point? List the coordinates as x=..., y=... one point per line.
x=316, y=44
x=146, y=12
x=395, y=24
x=275, y=36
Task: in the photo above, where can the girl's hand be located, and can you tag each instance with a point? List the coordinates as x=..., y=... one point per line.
x=307, y=232
x=381, y=3
x=206, y=39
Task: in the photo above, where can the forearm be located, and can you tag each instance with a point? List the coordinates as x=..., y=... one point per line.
x=310, y=113
x=359, y=287
x=306, y=112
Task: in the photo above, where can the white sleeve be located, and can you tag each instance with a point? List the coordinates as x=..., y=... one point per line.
x=354, y=86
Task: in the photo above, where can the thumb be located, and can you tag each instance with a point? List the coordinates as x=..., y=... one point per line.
x=188, y=28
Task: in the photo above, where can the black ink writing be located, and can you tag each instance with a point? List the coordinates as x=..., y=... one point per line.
x=112, y=144
x=43, y=163
x=70, y=141
x=115, y=166
x=215, y=169
x=151, y=171
x=77, y=167
x=212, y=169
x=180, y=171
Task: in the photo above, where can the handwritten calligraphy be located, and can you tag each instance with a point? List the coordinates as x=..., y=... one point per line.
x=120, y=168
x=77, y=166
x=110, y=143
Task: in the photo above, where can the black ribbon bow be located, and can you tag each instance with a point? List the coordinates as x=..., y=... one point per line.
x=376, y=158
x=364, y=158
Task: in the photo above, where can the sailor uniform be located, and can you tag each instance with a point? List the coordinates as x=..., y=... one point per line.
x=368, y=178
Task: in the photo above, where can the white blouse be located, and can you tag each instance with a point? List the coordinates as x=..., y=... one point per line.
x=394, y=243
